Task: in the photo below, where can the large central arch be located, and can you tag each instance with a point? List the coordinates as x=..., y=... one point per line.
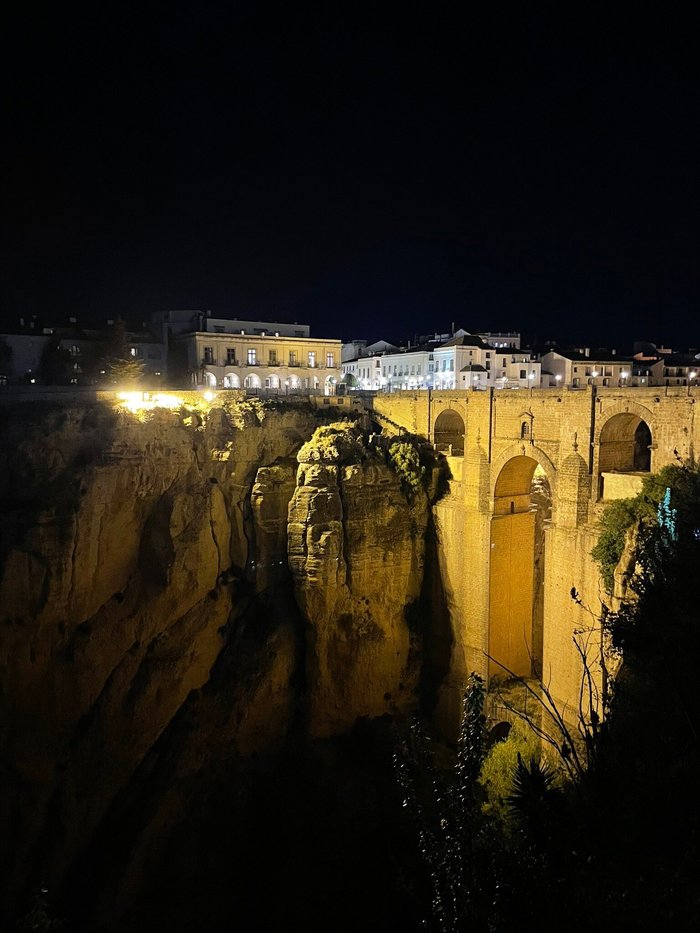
x=521, y=506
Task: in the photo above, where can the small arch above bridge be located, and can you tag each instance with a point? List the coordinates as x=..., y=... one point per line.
x=449, y=432
x=625, y=444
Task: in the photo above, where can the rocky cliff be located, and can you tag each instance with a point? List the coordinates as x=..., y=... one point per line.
x=356, y=550
x=150, y=628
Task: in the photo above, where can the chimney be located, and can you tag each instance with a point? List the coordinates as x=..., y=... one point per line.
x=614, y=352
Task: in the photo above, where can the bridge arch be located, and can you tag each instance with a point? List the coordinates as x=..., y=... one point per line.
x=516, y=452
x=522, y=509
x=449, y=431
x=624, y=442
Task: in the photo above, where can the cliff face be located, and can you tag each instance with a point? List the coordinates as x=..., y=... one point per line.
x=356, y=550
x=147, y=618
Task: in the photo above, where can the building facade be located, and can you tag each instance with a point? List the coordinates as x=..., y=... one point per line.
x=464, y=361
x=577, y=369
x=263, y=361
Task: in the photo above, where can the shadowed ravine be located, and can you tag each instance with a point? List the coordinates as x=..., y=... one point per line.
x=208, y=625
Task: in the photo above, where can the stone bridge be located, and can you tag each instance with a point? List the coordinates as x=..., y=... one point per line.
x=531, y=472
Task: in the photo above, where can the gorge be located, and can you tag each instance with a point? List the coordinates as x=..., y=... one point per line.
x=213, y=611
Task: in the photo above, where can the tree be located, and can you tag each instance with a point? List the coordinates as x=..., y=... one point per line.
x=120, y=365
x=55, y=367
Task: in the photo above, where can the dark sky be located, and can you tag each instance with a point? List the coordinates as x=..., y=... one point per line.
x=533, y=168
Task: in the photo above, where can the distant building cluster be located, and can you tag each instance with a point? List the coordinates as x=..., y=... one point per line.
x=463, y=360
x=193, y=348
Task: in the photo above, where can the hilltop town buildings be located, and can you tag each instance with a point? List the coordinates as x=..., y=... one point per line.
x=193, y=348
x=458, y=361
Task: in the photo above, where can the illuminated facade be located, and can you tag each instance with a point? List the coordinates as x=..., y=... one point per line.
x=263, y=360
x=465, y=361
x=578, y=369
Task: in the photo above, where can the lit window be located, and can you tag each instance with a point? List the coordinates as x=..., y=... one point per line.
x=312, y=359
x=330, y=360
x=252, y=357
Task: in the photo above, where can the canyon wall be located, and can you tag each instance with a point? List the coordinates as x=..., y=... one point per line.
x=150, y=624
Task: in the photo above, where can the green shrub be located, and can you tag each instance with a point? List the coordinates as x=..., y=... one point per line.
x=683, y=481
x=615, y=521
x=339, y=442
x=499, y=767
x=404, y=459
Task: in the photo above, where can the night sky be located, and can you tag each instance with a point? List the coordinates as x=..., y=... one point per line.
x=374, y=174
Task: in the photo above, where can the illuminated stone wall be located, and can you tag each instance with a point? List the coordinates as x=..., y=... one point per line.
x=486, y=560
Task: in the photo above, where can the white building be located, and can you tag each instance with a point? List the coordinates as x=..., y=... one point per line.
x=576, y=369
x=464, y=361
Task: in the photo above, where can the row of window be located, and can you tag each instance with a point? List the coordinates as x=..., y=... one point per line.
x=135, y=352
x=599, y=371
x=272, y=360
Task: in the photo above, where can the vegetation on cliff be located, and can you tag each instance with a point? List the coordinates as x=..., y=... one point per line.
x=408, y=456
x=339, y=443
x=684, y=482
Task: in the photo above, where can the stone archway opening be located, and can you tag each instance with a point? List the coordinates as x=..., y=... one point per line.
x=231, y=381
x=449, y=432
x=624, y=447
x=209, y=379
x=252, y=381
x=521, y=515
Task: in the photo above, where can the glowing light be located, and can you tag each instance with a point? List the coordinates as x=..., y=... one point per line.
x=133, y=401
x=137, y=402
x=692, y=375
x=167, y=401
x=209, y=396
